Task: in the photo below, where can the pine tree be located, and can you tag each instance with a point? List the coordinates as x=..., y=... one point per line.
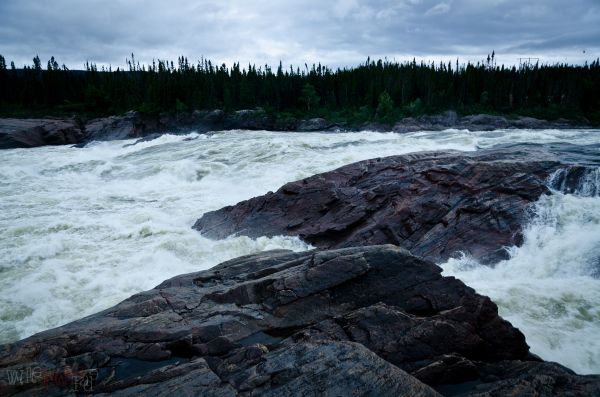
x=309, y=97
x=385, y=108
x=37, y=63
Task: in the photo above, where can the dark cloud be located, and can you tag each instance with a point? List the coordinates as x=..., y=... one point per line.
x=338, y=33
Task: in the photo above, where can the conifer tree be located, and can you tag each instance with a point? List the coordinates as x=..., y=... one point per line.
x=309, y=97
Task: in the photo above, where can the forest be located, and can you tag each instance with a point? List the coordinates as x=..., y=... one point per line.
x=377, y=90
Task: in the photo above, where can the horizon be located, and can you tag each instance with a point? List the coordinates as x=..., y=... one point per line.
x=340, y=34
x=304, y=66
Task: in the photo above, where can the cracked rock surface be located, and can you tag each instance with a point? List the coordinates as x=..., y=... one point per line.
x=363, y=321
x=436, y=204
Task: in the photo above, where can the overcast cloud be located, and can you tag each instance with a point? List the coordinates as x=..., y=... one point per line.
x=336, y=33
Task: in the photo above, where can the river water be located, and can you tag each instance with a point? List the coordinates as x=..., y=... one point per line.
x=82, y=229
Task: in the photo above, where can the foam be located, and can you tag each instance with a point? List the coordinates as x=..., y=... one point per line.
x=82, y=229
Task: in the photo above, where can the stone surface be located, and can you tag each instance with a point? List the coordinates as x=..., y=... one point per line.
x=316, y=124
x=356, y=321
x=435, y=204
x=16, y=133
x=476, y=122
x=24, y=133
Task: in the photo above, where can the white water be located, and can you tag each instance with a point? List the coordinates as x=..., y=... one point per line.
x=82, y=229
x=550, y=286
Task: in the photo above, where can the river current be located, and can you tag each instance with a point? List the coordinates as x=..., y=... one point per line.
x=83, y=228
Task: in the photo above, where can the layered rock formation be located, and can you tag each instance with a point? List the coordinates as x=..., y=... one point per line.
x=24, y=133
x=359, y=321
x=435, y=204
x=476, y=122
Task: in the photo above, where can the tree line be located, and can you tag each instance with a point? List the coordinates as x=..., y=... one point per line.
x=374, y=90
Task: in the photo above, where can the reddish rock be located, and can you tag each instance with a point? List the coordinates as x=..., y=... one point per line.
x=435, y=204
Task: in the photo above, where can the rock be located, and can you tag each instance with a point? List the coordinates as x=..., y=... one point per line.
x=114, y=128
x=24, y=133
x=528, y=378
x=38, y=132
x=324, y=369
x=316, y=124
x=438, y=122
x=475, y=122
x=337, y=322
x=483, y=122
x=377, y=127
x=435, y=204
x=256, y=119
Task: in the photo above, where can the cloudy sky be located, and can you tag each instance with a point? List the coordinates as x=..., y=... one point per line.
x=336, y=32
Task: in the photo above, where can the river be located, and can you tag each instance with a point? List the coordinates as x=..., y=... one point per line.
x=84, y=228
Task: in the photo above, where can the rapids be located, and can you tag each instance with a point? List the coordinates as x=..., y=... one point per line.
x=82, y=229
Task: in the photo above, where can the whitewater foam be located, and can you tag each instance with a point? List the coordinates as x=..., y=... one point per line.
x=549, y=288
x=82, y=229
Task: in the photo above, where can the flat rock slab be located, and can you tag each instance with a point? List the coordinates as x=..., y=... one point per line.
x=365, y=321
x=435, y=204
x=25, y=133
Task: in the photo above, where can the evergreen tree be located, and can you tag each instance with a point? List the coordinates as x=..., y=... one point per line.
x=358, y=93
x=385, y=108
x=309, y=97
x=37, y=63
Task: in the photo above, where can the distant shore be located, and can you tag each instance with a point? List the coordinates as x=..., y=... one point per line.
x=34, y=132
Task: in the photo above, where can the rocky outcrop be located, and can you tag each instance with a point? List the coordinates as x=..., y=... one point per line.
x=357, y=321
x=477, y=122
x=16, y=133
x=317, y=124
x=276, y=323
x=434, y=204
x=24, y=133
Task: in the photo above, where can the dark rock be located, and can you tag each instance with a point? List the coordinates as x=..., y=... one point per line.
x=39, y=132
x=316, y=124
x=434, y=204
x=528, y=378
x=429, y=123
x=476, y=122
x=115, y=128
x=377, y=127
x=24, y=133
x=355, y=321
x=324, y=369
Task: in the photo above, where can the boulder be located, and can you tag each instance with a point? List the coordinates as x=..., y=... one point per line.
x=436, y=204
x=114, y=128
x=315, y=124
x=353, y=322
x=343, y=321
x=25, y=133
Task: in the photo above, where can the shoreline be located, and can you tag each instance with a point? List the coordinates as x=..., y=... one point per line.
x=35, y=132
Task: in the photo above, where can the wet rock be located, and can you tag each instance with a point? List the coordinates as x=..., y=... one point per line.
x=316, y=124
x=475, y=122
x=115, y=128
x=337, y=322
x=24, y=133
x=16, y=133
x=435, y=204
x=527, y=378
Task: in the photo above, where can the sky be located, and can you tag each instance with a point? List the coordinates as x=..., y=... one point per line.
x=337, y=33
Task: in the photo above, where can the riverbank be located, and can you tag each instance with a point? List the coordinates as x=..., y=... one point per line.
x=24, y=133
